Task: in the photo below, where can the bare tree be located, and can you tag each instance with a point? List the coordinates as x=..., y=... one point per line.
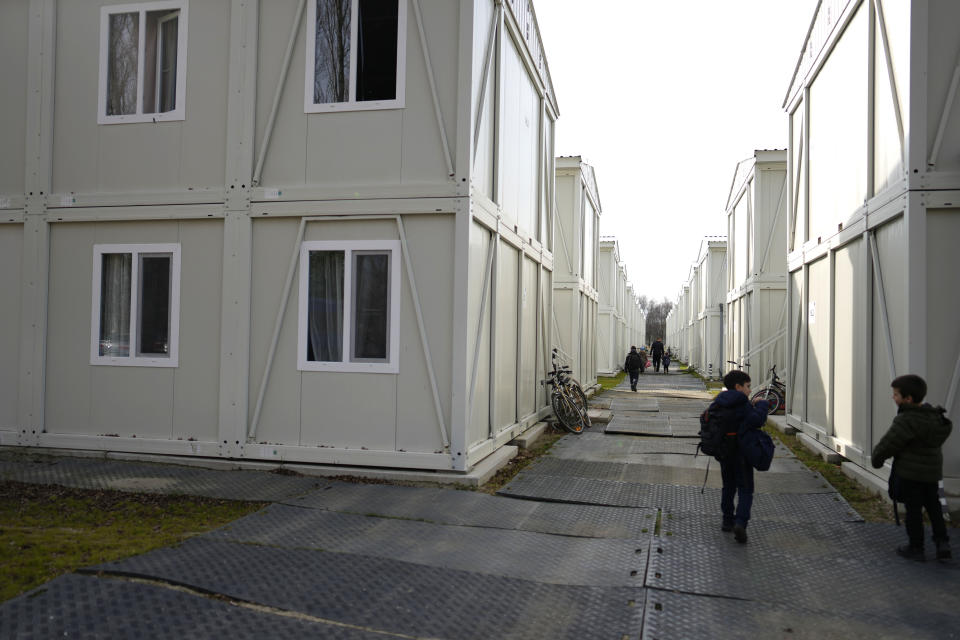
x=331, y=77
x=122, y=63
x=657, y=318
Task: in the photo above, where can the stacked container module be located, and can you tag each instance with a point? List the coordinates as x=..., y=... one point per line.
x=575, y=294
x=755, y=317
x=275, y=257
x=874, y=193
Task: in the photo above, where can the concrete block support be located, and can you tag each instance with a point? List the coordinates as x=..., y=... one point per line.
x=825, y=452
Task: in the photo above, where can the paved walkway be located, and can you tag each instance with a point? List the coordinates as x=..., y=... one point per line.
x=609, y=536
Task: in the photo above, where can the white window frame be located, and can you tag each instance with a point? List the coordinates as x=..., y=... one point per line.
x=179, y=113
x=392, y=365
x=354, y=105
x=133, y=360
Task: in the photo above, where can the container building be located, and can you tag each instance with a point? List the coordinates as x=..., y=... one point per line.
x=874, y=218
x=755, y=314
x=575, y=266
x=305, y=230
x=711, y=271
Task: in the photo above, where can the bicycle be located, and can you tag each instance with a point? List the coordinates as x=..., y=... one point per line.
x=567, y=399
x=774, y=392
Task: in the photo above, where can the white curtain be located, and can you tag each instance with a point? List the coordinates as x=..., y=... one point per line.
x=325, y=307
x=115, y=304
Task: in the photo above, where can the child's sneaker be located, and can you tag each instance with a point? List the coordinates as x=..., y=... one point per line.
x=943, y=550
x=911, y=553
x=727, y=526
x=740, y=534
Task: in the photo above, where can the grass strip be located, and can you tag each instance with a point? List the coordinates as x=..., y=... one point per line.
x=49, y=530
x=522, y=460
x=868, y=504
x=610, y=382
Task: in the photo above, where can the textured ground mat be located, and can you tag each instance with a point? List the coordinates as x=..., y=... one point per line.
x=449, y=506
x=393, y=596
x=586, y=445
x=144, y=477
x=680, y=615
x=652, y=426
x=817, y=541
x=767, y=482
x=634, y=404
x=77, y=606
x=817, y=507
x=518, y=554
x=861, y=589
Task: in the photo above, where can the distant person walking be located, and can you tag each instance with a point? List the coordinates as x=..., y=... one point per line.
x=914, y=442
x=634, y=366
x=665, y=361
x=656, y=350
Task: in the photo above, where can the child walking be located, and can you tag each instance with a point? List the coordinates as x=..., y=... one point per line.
x=914, y=442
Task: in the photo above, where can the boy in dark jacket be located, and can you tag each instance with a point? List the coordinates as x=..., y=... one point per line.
x=914, y=442
x=738, y=415
x=634, y=366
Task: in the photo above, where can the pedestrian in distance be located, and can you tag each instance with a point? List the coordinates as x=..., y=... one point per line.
x=656, y=350
x=634, y=366
x=665, y=361
x=735, y=413
x=915, y=441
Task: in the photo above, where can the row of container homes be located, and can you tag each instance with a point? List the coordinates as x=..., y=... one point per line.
x=244, y=230
x=622, y=323
x=841, y=254
x=695, y=324
x=874, y=218
x=756, y=303
x=325, y=231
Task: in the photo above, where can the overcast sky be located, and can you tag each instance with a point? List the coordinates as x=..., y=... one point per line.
x=663, y=98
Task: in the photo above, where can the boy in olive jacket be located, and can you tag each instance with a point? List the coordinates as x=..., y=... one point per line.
x=913, y=441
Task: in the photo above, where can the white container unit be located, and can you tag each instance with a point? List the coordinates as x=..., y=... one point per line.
x=636, y=329
x=575, y=296
x=874, y=192
x=711, y=289
x=611, y=320
x=273, y=252
x=755, y=317
x=683, y=325
x=692, y=310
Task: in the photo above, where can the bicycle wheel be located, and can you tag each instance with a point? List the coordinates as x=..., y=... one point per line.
x=771, y=395
x=580, y=398
x=566, y=411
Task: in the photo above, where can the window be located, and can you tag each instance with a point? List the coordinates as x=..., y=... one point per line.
x=143, y=53
x=136, y=305
x=349, y=306
x=355, y=54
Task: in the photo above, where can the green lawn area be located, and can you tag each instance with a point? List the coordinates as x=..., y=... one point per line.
x=48, y=530
x=609, y=382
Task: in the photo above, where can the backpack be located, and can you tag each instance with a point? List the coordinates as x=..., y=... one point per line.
x=716, y=439
x=757, y=448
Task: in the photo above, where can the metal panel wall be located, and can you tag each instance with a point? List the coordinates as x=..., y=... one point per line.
x=943, y=338
x=850, y=320
x=14, y=34
x=166, y=403
x=177, y=155
x=11, y=255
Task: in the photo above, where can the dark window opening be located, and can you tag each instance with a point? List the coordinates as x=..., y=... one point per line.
x=377, y=49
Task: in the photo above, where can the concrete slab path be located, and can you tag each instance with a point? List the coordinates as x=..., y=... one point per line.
x=611, y=535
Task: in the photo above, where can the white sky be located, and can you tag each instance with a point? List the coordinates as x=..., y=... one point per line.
x=663, y=98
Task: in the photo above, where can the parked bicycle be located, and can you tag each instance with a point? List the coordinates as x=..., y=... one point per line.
x=774, y=392
x=567, y=398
